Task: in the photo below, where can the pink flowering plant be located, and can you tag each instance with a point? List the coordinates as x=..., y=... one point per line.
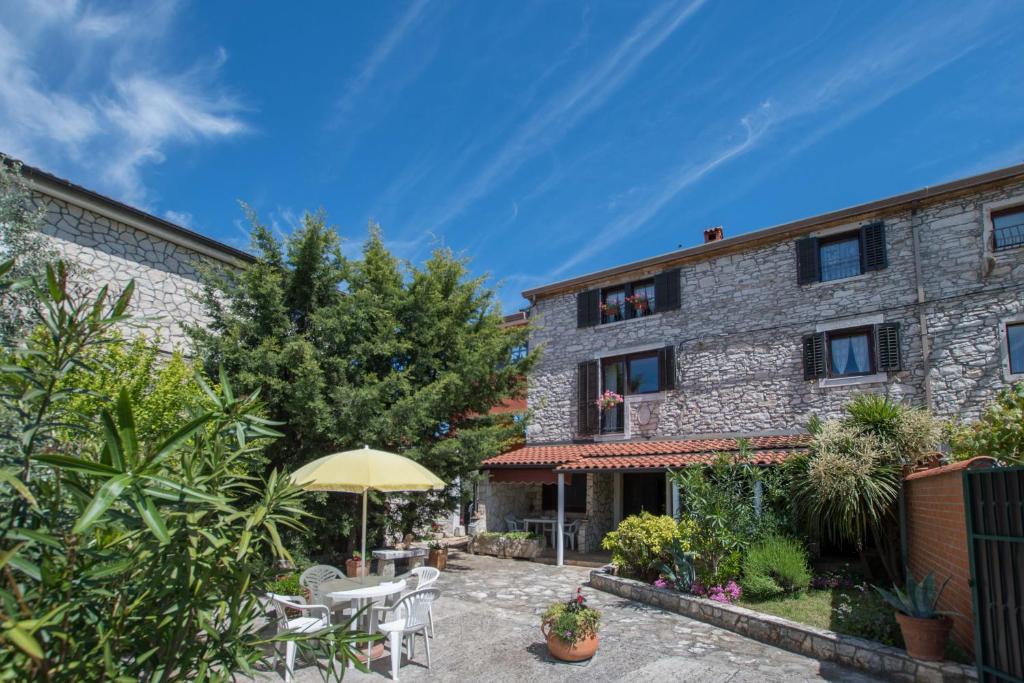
x=611, y=308
x=728, y=594
x=571, y=621
x=608, y=400
x=640, y=303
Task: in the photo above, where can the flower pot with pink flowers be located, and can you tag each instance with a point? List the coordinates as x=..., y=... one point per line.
x=609, y=400
x=570, y=629
x=640, y=303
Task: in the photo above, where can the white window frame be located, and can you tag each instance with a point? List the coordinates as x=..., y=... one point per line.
x=845, y=324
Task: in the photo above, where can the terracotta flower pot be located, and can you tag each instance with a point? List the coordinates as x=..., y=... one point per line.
x=569, y=652
x=355, y=567
x=925, y=638
x=438, y=558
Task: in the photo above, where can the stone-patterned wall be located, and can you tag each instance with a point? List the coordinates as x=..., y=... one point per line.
x=600, y=504
x=738, y=332
x=507, y=499
x=166, y=274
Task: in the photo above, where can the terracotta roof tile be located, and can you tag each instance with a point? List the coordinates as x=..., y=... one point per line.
x=641, y=462
x=620, y=454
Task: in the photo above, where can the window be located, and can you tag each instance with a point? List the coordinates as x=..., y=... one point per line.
x=613, y=305
x=1015, y=347
x=850, y=354
x=1008, y=228
x=629, y=301
x=575, y=494
x=639, y=373
x=835, y=257
x=839, y=257
x=519, y=352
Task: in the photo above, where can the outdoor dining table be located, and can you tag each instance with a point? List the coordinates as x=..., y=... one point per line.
x=543, y=524
x=362, y=592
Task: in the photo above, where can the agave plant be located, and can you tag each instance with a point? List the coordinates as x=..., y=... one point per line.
x=915, y=599
x=680, y=570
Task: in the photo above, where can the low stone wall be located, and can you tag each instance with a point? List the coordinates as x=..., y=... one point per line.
x=865, y=655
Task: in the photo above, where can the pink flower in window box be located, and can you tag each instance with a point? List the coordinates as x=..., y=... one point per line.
x=608, y=400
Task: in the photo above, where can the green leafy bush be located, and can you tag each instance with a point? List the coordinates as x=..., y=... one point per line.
x=775, y=566
x=998, y=433
x=642, y=544
x=512, y=535
x=117, y=565
x=288, y=585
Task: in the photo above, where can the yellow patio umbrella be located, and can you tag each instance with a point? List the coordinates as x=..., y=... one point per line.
x=363, y=469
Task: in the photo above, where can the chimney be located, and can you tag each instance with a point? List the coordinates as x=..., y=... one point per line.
x=713, y=234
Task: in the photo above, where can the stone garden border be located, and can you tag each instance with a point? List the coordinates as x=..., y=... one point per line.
x=821, y=644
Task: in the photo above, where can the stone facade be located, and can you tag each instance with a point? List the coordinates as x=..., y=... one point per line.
x=166, y=274
x=738, y=333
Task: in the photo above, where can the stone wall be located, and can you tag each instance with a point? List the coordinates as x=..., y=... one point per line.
x=167, y=275
x=507, y=499
x=600, y=507
x=738, y=332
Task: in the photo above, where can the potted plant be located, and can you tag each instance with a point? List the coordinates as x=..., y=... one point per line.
x=355, y=565
x=438, y=555
x=640, y=303
x=608, y=400
x=924, y=628
x=571, y=629
x=611, y=309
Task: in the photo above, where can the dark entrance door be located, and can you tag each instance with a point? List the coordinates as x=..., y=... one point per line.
x=643, y=492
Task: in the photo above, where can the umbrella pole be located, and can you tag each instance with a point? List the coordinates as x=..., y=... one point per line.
x=365, y=564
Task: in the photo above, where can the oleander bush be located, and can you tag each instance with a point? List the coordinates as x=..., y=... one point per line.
x=128, y=554
x=998, y=433
x=775, y=566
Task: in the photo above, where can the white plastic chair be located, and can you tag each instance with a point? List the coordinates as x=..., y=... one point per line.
x=425, y=578
x=412, y=615
x=316, y=575
x=569, y=532
x=304, y=623
x=514, y=524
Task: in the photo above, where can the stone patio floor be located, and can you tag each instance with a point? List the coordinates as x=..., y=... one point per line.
x=487, y=630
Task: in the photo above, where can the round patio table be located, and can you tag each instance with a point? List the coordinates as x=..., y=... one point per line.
x=361, y=593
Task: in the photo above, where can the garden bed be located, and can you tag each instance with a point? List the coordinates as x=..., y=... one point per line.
x=820, y=643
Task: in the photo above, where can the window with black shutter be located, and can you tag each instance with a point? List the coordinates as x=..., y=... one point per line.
x=666, y=290
x=1008, y=228
x=586, y=398
x=837, y=257
x=646, y=372
x=667, y=367
x=852, y=352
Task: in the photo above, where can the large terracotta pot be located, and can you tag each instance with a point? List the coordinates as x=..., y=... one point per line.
x=438, y=558
x=560, y=649
x=925, y=638
x=355, y=567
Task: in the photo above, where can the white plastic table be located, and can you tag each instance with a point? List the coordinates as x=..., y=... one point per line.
x=542, y=524
x=342, y=590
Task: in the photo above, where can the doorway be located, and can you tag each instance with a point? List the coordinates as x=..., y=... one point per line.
x=643, y=492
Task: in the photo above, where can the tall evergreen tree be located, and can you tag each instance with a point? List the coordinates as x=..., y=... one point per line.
x=366, y=351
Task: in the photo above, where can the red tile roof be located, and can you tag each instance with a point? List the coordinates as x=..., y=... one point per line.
x=645, y=454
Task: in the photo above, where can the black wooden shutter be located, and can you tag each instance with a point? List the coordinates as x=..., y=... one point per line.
x=872, y=239
x=588, y=308
x=814, y=355
x=667, y=368
x=666, y=291
x=807, y=268
x=887, y=347
x=586, y=406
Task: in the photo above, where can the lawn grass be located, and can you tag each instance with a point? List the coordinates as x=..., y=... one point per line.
x=852, y=611
x=813, y=608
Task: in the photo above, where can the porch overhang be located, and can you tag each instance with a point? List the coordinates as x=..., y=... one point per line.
x=522, y=475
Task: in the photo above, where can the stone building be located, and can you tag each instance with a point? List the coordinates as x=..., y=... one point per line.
x=919, y=296
x=113, y=243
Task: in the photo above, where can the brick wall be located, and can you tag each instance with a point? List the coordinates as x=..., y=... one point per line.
x=936, y=532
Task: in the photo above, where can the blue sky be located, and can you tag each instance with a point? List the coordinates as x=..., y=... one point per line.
x=542, y=140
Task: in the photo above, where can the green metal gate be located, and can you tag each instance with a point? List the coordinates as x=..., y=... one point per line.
x=994, y=505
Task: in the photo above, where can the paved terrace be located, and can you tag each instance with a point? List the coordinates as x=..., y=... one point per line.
x=487, y=630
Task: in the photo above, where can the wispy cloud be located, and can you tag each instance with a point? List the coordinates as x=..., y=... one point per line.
x=180, y=217
x=561, y=112
x=381, y=52
x=811, y=105
x=121, y=116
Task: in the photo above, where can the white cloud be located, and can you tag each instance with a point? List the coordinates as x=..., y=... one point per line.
x=561, y=112
x=379, y=56
x=107, y=107
x=183, y=218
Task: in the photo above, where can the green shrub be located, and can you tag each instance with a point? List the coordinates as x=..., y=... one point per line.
x=289, y=585
x=999, y=432
x=775, y=566
x=512, y=535
x=642, y=544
